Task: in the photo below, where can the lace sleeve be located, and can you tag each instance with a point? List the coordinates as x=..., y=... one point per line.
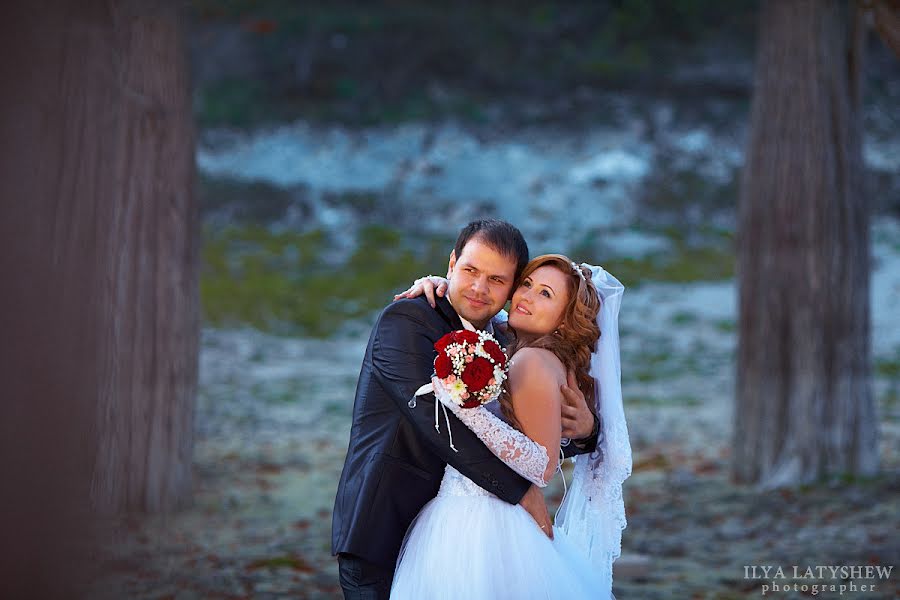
x=522, y=454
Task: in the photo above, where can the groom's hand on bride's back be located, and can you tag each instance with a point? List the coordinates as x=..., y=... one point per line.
x=577, y=418
x=533, y=502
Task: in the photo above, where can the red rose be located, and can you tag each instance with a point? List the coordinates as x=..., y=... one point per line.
x=464, y=335
x=442, y=366
x=477, y=374
x=445, y=341
x=471, y=403
x=495, y=352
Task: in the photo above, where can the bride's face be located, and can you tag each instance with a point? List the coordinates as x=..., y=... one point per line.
x=539, y=302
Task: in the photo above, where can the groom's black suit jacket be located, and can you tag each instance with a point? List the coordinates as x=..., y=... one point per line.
x=396, y=458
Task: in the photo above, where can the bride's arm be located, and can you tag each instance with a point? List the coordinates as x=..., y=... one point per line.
x=535, y=379
x=532, y=381
x=430, y=285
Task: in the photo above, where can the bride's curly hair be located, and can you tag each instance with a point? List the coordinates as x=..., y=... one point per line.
x=575, y=338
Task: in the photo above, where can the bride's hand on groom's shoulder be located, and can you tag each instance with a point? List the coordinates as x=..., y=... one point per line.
x=430, y=285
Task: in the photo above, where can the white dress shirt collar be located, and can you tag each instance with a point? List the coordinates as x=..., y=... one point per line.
x=467, y=325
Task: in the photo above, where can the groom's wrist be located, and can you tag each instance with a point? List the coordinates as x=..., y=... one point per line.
x=590, y=440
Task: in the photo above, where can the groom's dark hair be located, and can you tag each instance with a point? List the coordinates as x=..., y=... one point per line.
x=503, y=237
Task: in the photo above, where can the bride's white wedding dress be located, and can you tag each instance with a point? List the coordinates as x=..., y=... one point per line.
x=468, y=543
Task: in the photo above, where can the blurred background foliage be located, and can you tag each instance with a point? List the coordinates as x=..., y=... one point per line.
x=367, y=63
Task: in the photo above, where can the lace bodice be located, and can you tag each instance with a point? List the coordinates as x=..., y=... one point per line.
x=455, y=483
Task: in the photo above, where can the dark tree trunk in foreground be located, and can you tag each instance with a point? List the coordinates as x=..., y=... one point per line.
x=99, y=272
x=805, y=406
x=146, y=226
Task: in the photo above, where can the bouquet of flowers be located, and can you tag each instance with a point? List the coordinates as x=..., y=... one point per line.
x=471, y=366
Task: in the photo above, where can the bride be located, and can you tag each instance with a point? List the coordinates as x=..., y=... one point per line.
x=467, y=543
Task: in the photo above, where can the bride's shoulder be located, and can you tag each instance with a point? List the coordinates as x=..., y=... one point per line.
x=536, y=361
x=535, y=375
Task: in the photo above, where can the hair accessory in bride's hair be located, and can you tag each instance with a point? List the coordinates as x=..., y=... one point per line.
x=578, y=270
x=590, y=270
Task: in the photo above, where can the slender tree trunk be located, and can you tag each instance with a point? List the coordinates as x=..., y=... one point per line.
x=805, y=406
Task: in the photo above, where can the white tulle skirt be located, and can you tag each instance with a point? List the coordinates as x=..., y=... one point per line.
x=482, y=548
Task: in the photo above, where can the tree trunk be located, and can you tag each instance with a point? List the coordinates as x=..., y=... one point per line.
x=805, y=407
x=149, y=251
x=99, y=268
x=98, y=175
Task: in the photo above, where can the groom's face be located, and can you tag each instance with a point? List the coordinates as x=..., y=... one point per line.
x=481, y=280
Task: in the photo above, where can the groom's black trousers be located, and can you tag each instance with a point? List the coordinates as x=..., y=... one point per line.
x=362, y=580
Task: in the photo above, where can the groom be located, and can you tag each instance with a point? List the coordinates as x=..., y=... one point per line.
x=396, y=457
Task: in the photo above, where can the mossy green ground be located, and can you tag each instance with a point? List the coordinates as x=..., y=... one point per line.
x=307, y=283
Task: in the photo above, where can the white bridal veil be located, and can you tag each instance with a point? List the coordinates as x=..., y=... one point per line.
x=593, y=512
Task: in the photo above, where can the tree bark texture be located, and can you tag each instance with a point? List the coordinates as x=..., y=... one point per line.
x=103, y=231
x=805, y=406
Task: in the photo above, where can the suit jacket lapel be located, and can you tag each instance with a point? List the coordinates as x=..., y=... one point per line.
x=448, y=313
